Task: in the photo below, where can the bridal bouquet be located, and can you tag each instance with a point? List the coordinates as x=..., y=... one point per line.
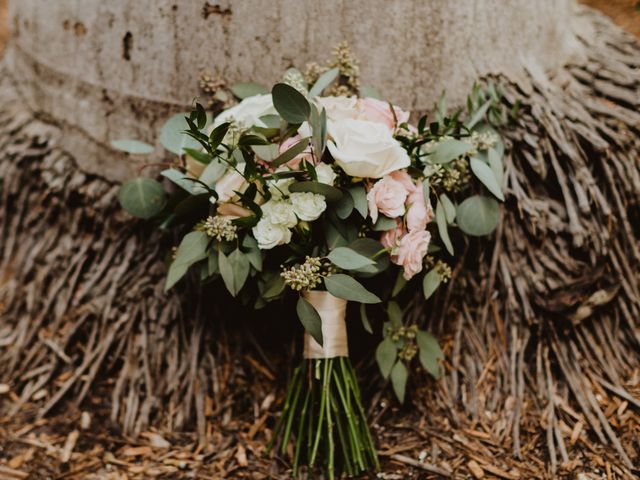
x=316, y=192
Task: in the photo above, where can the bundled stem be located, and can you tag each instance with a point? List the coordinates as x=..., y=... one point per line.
x=324, y=410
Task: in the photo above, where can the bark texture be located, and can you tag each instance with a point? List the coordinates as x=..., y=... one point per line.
x=108, y=70
x=541, y=333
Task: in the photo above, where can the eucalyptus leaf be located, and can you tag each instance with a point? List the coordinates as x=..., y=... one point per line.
x=254, y=255
x=478, y=215
x=399, y=375
x=290, y=103
x=448, y=150
x=430, y=353
x=478, y=115
x=495, y=163
x=332, y=194
x=344, y=286
x=179, y=178
x=248, y=89
x=401, y=282
x=386, y=354
x=142, y=197
x=310, y=319
x=373, y=249
x=347, y=259
x=366, y=324
x=290, y=153
x=274, y=287
x=441, y=220
x=323, y=82
x=234, y=270
x=268, y=153
x=395, y=314
x=344, y=206
x=484, y=173
x=430, y=283
x=192, y=249
x=132, y=146
x=370, y=92
x=384, y=224
x=449, y=208
x=172, y=136
x=359, y=196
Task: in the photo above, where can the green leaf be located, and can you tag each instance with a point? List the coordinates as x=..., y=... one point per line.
x=495, y=162
x=478, y=215
x=323, y=82
x=370, y=248
x=386, y=354
x=384, y=223
x=142, y=197
x=478, y=115
x=344, y=257
x=448, y=150
x=172, y=137
x=441, y=220
x=370, y=92
x=268, y=153
x=449, y=208
x=254, y=255
x=399, y=375
x=366, y=324
x=132, y=146
x=359, y=196
x=291, y=153
x=430, y=353
x=344, y=286
x=192, y=249
x=332, y=194
x=248, y=89
x=202, y=157
x=274, y=287
x=310, y=319
x=213, y=262
x=290, y=103
x=484, y=173
x=399, y=285
x=318, y=124
x=395, y=314
x=217, y=134
x=234, y=270
x=344, y=207
x=179, y=178
x=430, y=283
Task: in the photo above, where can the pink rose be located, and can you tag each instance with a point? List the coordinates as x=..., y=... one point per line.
x=413, y=247
x=404, y=178
x=391, y=238
x=387, y=196
x=419, y=213
x=379, y=111
x=290, y=142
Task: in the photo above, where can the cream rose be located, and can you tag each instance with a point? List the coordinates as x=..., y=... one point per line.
x=325, y=173
x=308, y=206
x=365, y=149
x=269, y=235
x=229, y=183
x=248, y=112
x=411, y=250
x=387, y=196
x=339, y=108
x=279, y=212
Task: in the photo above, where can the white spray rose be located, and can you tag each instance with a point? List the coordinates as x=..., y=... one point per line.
x=269, y=235
x=325, y=173
x=248, y=112
x=365, y=149
x=279, y=212
x=308, y=206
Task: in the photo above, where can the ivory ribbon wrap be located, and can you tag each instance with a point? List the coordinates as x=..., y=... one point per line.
x=332, y=312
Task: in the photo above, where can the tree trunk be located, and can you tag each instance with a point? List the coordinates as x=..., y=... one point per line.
x=541, y=330
x=114, y=69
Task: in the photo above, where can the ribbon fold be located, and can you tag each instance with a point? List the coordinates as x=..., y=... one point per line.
x=332, y=312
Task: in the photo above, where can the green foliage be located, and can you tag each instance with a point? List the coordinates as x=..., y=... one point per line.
x=310, y=319
x=248, y=89
x=172, y=135
x=430, y=283
x=430, y=353
x=234, y=270
x=399, y=375
x=344, y=286
x=478, y=215
x=332, y=194
x=290, y=103
x=448, y=150
x=323, y=82
x=485, y=174
x=386, y=354
x=348, y=259
x=142, y=197
x=192, y=249
x=132, y=146
x=441, y=220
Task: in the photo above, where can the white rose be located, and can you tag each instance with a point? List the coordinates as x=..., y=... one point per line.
x=279, y=212
x=269, y=235
x=365, y=149
x=339, y=108
x=230, y=183
x=325, y=173
x=280, y=187
x=248, y=112
x=308, y=206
